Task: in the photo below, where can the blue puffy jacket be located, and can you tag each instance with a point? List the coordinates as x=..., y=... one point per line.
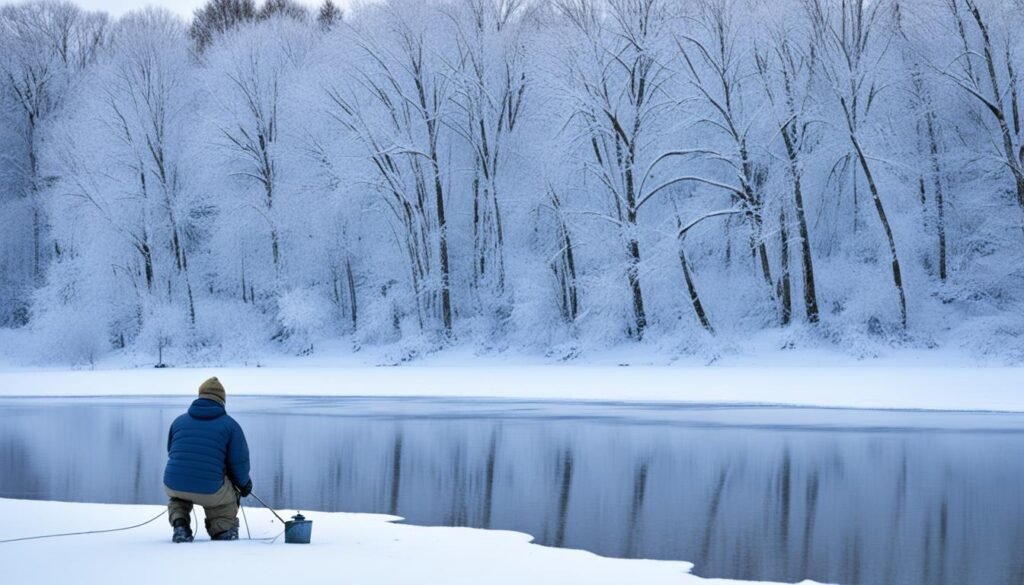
x=203, y=446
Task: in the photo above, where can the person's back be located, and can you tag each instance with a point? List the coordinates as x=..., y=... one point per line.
x=207, y=464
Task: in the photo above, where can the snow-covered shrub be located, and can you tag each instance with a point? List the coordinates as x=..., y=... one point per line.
x=230, y=330
x=537, y=314
x=305, y=316
x=70, y=334
x=997, y=338
x=381, y=315
x=165, y=330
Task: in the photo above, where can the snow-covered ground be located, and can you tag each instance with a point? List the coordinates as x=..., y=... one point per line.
x=899, y=385
x=346, y=548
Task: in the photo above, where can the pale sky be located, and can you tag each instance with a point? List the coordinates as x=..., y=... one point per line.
x=119, y=7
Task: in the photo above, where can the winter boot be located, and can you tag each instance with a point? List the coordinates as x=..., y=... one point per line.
x=182, y=532
x=229, y=534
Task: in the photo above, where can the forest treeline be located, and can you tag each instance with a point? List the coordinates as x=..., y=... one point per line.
x=541, y=174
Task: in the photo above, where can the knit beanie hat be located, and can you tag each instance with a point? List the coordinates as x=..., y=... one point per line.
x=213, y=390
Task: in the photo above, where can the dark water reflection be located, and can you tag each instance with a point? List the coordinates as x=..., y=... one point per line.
x=749, y=492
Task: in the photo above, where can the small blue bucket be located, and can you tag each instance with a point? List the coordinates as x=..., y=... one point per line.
x=298, y=530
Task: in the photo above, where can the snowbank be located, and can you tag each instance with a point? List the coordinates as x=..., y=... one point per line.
x=347, y=548
x=874, y=386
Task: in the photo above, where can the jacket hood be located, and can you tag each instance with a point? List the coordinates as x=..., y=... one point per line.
x=205, y=409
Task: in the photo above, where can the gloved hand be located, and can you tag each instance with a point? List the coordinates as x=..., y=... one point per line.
x=246, y=489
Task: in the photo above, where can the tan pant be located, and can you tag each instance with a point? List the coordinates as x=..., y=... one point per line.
x=220, y=508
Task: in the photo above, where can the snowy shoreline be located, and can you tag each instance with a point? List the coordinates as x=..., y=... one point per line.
x=840, y=386
x=346, y=548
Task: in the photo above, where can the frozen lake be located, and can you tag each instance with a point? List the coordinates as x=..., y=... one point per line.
x=750, y=492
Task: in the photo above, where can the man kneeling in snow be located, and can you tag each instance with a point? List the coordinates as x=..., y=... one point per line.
x=207, y=464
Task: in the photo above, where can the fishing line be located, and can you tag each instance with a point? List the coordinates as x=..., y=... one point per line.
x=83, y=532
x=266, y=540
x=246, y=518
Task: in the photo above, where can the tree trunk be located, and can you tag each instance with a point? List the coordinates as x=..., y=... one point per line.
x=728, y=243
x=570, y=296
x=785, y=284
x=446, y=302
x=759, y=251
x=698, y=307
x=570, y=264
x=633, y=273
x=856, y=204
x=351, y=281
x=147, y=260
x=245, y=298
x=33, y=187
x=478, y=253
x=940, y=207
x=897, y=275
x=37, y=236
x=191, y=301
x=499, y=249
x=639, y=315
x=810, y=295
x=275, y=247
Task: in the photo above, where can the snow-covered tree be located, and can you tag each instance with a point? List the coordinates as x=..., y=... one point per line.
x=556, y=176
x=124, y=171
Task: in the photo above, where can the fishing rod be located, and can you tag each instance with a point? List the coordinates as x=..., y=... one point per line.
x=258, y=499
